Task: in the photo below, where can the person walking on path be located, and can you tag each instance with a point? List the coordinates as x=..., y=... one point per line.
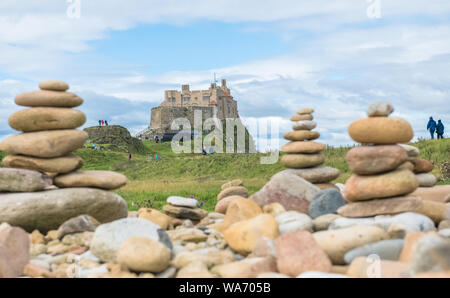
x=440, y=130
x=99, y=122
x=129, y=157
x=106, y=122
x=431, y=126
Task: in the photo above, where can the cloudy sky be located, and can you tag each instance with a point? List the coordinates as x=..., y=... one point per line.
x=278, y=56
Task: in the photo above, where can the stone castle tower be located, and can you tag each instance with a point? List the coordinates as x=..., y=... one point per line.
x=216, y=102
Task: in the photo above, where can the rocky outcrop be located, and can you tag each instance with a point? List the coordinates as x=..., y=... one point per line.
x=114, y=138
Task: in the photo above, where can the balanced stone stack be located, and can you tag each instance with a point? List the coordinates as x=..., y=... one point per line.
x=303, y=156
x=49, y=135
x=184, y=208
x=42, y=155
x=383, y=177
x=230, y=192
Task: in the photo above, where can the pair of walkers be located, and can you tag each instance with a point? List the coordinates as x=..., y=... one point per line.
x=438, y=127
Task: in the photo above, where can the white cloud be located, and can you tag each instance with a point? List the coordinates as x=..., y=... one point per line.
x=346, y=62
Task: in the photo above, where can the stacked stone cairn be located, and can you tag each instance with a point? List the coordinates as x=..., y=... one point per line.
x=184, y=208
x=40, y=184
x=230, y=192
x=383, y=180
x=303, y=155
x=305, y=188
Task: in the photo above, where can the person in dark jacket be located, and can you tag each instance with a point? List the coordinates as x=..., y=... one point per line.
x=431, y=126
x=440, y=130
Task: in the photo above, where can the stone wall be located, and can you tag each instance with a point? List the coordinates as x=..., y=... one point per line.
x=162, y=117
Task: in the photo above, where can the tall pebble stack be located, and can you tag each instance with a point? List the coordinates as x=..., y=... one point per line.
x=383, y=179
x=41, y=161
x=303, y=155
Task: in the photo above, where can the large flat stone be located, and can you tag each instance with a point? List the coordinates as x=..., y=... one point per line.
x=37, y=119
x=391, y=184
x=299, y=160
x=47, y=210
x=59, y=165
x=19, y=180
x=369, y=160
x=100, y=179
x=45, y=144
x=381, y=130
x=46, y=98
x=382, y=207
x=302, y=147
x=301, y=135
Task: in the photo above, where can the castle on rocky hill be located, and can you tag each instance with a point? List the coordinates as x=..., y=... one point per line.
x=216, y=102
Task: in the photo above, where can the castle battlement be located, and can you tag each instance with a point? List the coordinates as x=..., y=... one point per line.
x=219, y=96
x=216, y=102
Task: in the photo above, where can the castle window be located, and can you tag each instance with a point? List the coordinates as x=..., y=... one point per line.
x=186, y=98
x=206, y=98
x=172, y=99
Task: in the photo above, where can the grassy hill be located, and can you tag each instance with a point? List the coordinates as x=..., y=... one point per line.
x=152, y=181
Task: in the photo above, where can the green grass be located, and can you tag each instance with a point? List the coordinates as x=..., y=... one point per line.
x=437, y=151
x=2, y=154
x=152, y=181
